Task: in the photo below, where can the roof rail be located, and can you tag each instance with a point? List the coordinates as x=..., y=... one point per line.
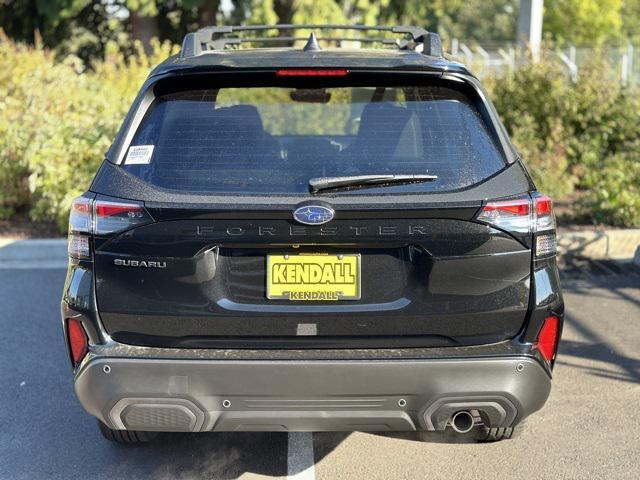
x=216, y=38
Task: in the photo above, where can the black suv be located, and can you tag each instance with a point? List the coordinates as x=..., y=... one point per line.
x=304, y=238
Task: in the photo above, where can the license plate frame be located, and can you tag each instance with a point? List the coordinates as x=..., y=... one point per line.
x=340, y=277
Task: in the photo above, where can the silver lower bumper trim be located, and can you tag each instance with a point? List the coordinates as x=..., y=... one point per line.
x=319, y=395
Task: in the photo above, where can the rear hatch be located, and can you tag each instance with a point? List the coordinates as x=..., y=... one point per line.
x=216, y=258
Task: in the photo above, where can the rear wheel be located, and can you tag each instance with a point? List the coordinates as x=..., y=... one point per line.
x=493, y=434
x=126, y=436
x=486, y=434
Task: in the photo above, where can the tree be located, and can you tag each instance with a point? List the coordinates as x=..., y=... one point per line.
x=297, y=12
x=208, y=12
x=264, y=12
x=21, y=19
x=468, y=20
x=85, y=27
x=177, y=17
x=143, y=18
x=318, y=11
x=462, y=19
x=584, y=22
x=78, y=27
x=631, y=20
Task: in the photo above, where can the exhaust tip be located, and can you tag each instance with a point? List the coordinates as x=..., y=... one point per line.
x=462, y=421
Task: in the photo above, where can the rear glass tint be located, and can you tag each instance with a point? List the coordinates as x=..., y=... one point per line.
x=272, y=140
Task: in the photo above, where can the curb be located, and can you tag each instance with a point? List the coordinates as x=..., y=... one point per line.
x=613, y=244
x=36, y=253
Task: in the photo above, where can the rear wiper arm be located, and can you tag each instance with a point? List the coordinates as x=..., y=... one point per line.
x=362, y=181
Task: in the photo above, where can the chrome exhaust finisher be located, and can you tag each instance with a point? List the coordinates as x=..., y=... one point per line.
x=462, y=421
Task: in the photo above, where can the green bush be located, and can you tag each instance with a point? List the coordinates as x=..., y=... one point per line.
x=612, y=192
x=16, y=131
x=579, y=135
x=57, y=119
x=545, y=156
x=56, y=123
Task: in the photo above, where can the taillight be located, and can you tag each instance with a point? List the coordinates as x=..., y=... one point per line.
x=308, y=72
x=80, y=227
x=80, y=216
x=544, y=218
x=78, y=342
x=525, y=214
x=547, y=343
x=100, y=217
x=112, y=217
x=512, y=215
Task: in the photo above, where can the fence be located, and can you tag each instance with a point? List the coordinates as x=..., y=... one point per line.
x=489, y=59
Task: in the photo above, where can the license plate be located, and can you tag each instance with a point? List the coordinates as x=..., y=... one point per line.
x=313, y=277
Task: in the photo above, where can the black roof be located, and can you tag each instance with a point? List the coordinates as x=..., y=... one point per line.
x=217, y=48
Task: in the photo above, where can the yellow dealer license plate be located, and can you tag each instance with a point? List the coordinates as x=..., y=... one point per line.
x=313, y=277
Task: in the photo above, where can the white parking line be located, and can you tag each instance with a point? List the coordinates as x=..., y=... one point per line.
x=300, y=456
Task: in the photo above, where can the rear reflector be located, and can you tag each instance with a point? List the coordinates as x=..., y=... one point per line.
x=77, y=338
x=339, y=72
x=548, y=338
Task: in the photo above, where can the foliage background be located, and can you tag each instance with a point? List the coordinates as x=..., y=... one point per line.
x=580, y=139
x=69, y=70
x=91, y=28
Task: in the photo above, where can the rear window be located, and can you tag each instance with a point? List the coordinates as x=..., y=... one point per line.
x=272, y=140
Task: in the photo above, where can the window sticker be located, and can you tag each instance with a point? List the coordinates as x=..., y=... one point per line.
x=139, y=155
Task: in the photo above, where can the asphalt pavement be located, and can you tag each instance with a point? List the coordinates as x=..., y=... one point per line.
x=588, y=429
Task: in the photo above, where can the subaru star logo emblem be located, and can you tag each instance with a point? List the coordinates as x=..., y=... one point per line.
x=313, y=214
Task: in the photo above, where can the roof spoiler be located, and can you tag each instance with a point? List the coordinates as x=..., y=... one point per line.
x=217, y=38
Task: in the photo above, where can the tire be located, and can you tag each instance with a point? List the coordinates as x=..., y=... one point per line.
x=126, y=436
x=486, y=435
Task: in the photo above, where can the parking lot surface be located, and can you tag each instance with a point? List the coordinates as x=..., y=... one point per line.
x=588, y=429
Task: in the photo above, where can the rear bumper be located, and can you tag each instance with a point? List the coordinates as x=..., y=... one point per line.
x=314, y=395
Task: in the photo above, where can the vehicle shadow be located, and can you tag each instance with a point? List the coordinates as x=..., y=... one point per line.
x=205, y=455
x=596, y=346
x=325, y=442
x=230, y=455
x=600, y=352
x=612, y=277
x=211, y=455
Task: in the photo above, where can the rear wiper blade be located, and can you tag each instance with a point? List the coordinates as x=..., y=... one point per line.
x=362, y=181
